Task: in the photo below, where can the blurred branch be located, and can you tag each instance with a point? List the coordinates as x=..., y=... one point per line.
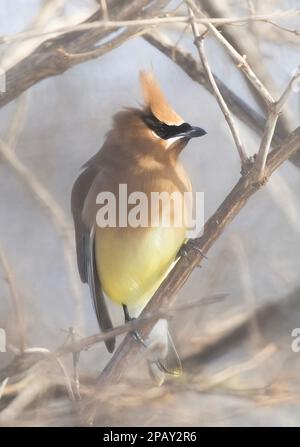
x=69, y=46
x=232, y=331
x=104, y=10
x=86, y=343
x=249, y=45
x=136, y=324
x=228, y=373
x=57, y=54
x=199, y=42
x=16, y=300
x=35, y=382
x=57, y=215
x=236, y=104
x=28, y=374
x=240, y=60
x=17, y=122
x=168, y=19
x=274, y=111
x=194, y=70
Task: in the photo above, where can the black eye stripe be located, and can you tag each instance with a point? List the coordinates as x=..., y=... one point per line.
x=164, y=130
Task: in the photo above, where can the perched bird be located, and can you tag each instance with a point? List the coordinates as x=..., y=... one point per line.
x=123, y=263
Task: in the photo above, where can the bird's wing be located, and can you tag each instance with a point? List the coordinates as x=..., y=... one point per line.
x=84, y=235
x=80, y=190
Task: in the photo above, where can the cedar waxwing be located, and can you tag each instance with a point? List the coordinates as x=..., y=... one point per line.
x=127, y=264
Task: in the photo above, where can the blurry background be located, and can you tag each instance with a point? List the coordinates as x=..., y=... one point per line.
x=237, y=357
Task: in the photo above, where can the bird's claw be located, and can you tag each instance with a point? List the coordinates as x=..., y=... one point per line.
x=190, y=244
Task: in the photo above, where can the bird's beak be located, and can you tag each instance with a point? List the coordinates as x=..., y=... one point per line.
x=194, y=132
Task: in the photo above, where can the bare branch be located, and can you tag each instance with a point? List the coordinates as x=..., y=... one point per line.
x=246, y=42
x=16, y=300
x=194, y=70
x=226, y=374
x=17, y=122
x=78, y=58
x=104, y=10
x=137, y=324
x=56, y=55
x=58, y=217
x=236, y=104
x=240, y=60
x=199, y=42
x=274, y=113
x=155, y=21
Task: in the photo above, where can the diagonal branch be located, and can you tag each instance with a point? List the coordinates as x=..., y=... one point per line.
x=240, y=60
x=56, y=55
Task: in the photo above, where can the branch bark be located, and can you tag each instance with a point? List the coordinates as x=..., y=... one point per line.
x=56, y=55
x=248, y=45
x=199, y=42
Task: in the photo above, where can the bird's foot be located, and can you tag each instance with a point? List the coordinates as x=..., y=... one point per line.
x=135, y=335
x=190, y=244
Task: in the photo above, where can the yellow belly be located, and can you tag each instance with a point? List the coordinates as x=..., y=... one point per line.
x=132, y=262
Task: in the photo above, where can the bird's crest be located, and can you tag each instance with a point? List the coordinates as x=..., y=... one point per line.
x=156, y=101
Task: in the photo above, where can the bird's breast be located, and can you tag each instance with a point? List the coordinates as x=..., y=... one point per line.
x=132, y=261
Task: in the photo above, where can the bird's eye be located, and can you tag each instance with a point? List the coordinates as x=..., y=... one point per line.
x=156, y=125
x=161, y=129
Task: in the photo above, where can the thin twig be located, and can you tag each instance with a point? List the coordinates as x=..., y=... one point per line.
x=36, y=383
x=155, y=21
x=133, y=325
x=240, y=60
x=266, y=142
x=296, y=32
x=3, y=386
x=199, y=42
x=47, y=58
x=75, y=356
x=194, y=70
x=17, y=122
x=102, y=49
x=16, y=300
x=226, y=374
x=249, y=45
x=58, y=217
x=104, y=10
x=274, y=112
